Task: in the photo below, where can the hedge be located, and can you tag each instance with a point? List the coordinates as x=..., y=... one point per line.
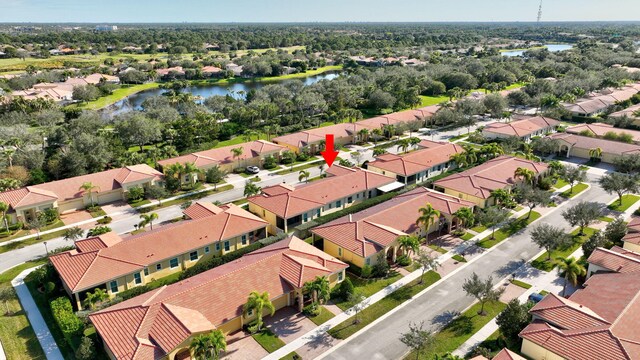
x=70, y=325
x=200, y=267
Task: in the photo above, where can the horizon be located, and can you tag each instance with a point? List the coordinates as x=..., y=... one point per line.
x=331, y=11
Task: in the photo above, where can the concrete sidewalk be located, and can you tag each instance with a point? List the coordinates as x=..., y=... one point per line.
x=38, y=324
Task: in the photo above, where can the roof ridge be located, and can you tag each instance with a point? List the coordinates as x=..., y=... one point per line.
x=86, y=270
x=180, y=321
x=226, y=223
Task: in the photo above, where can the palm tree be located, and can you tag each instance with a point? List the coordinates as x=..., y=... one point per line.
x=237, y=152
x=258, y=302
x=208, y=346
x=4, y=207
x=428, y=217
x=200, y=347
x=148, y=219
x=251, y=189
x=377, y=134
x=191, y=169
x=217, y=343
x=570, y=269
x=319, y=289
x=525, y=174
x=390, y=130
x=73, y=233
x=303, y=174
x=403, y=145
x=460, y=159
x=491, y=150
x=465, y=216
x=88, y=188
x=154, y=154
x=408, y=243
x=95, y=297
x=595, y=153
x=502, y=197
x=363, y=134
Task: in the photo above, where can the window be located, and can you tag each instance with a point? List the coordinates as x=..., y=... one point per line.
x=340, y=276
x=339, y=251
x=206, y=249
x=226, y=246
x=114, y=286
x=264, y=213
x=137, y=278
x=193, y=255
x=173, y=263
x=350, y=199
x=250, y=312
x=338, y=203
x=368, y=262
x=305, y=217
x=146, y=271
x=318, y=212
x=158, y=266
x=217, y=246
x=244, y=239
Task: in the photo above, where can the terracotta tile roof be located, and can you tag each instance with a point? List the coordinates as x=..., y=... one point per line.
x=634, y=224
x=506, y=354
x=628, y=112
x=81, y=270
x=524, y=127
x=497, y=173
x=603, y=100
x=588, y=143
x=600, y=129
x=588, y=106
x=286, y=201
x=306, y=137
x=597, y=322
x=367, y=232
x=68, y=189
x=224, y=154
x=617, y=259
x=432, y=154
x=169, y=315
x=202, y=209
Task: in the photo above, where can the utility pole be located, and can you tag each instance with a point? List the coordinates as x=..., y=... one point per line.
x=540, y=12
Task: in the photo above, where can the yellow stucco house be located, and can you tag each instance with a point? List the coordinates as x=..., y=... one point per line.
x=571, y=145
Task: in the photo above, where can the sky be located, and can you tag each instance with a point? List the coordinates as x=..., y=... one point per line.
x=123, y=11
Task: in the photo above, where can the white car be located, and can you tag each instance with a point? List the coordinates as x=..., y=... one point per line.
x=253, y=169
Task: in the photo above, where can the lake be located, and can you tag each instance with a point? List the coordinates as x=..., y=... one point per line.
x=236, y=90
x=550, y=47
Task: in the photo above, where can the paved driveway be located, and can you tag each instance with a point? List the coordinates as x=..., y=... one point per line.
x=241, y=346
x=75, y=217
x=289, y=324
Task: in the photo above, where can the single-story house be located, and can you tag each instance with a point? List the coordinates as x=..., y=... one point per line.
x=66, y=195
x=117, y=264
x=616, y=259
x=600, y=130
x=162, y=323
x=359, y=238
x=285, y=206
x=477, y=183
x=629, y=113
x=597, y=322
x=253, y=154
x=598, y=103
x=211, y=71
x=631, y=241
x=431, y=159
x=176, y=72
x=312, y=139
x=524, y=129
x=581, y=146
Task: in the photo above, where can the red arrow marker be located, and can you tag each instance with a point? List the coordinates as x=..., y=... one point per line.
x=329, y=154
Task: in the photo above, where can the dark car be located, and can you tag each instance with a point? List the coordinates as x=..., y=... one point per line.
x=536, y=297
x=252, y=169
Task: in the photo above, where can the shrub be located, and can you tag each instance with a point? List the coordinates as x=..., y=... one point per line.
x=156, y=192
x=70, y=325
x=545, y=184
x=345, y=289
x=366, y=271
x=49, y=287
x=381, y=267
x=50, y=215
x=238, y=170
x=311, y=310
x=303, y=156
x=135, y=193
x=98, y=230
x=104, y=220
x=269, y=162
x=403, y=260
x=86, y=350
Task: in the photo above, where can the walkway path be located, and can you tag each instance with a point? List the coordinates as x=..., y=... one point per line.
x=38, y=324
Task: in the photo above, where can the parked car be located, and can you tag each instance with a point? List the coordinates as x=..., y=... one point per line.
x=536, y=297
x=253, y=169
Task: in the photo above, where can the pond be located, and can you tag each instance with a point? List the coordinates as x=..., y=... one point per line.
x=236, y=90
x=550, y=47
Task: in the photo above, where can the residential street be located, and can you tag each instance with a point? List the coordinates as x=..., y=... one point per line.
x=438, y=305
x=125, y=223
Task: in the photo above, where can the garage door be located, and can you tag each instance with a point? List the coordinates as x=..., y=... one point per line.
x=109, y=197
x=71, y=205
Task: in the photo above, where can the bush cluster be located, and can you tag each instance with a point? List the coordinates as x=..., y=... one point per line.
x=70, y=325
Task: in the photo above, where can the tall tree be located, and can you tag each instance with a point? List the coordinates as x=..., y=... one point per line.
x=512, y=320
x=251, y=189
x=570, y=269
x=573, y=175
x=525, y=175
x=88, y=188
x=319, y=289
x=215, y=175
x=582, y=214
x=408, y=243
x=428, y=217
x=619, y=184
x=492, y=217
x=482, y=290
x=148, y=219
x=304, y=175
x=532, y=197
x=258, y=302
x=4, y=208
x=73, y=234
x=417, y=338
x=427, y=263
x=549, y=238
x=465, y=217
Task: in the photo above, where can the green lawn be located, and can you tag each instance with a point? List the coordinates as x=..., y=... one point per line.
x=268, y=340
x=299, y=168
x=98, y=212
x=521, y=284
x=627, y=201
x=606, y=219
x=432, y=100
x=33, y=240
x=117, y=95
x=240, y=139
x=508, y=230
x=17, y=337
x=577, y=189
x=367, y=287
x=560, y=184
x=373, y=312
x=438, y=249
x=467, y=236
x=461, y=329
x=187, y=198
x=290, y=356
x=323, y=317
x=479, y=228
x=459, y=258
x=542, y=262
